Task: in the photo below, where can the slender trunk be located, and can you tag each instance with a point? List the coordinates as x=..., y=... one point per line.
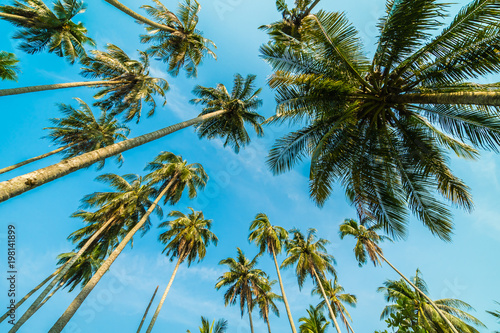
x=77, y=302
x=45, y=87
x=249, y=306
x=469, y=98
x=423, y=294
x=33, y=159
x=14, y=17
x=60, y=277
x=346, y=321
x=18, y=304
x=287, y=307
x=147, y=310
x=268, y=326
x=308, y=11
x=138, y=17
x=51, y=294
x=158, y=308
x=320, y=284
x=24, y=183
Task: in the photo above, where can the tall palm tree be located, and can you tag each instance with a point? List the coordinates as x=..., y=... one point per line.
x=8, y=66
x=147, y=310
x=495, y=314
x=266, y=301
x=337, y=298
x=79, y=132
x=315, y=323
x=172, y=175
x=271, y=238
x=311, y=258
x=42, y=28
x=186, y=239
x=230, y=123
x=217, y=327
x=426, y=315
x=243, y=280
x=384, y=128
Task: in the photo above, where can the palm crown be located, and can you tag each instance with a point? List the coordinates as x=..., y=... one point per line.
x=42, y=28
x=216, y=327
x=8, y=66
x=336, y=296
x=315, y=323
x=82, y=270
x=266, y=236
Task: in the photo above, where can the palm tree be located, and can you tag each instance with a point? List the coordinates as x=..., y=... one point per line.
x=336, y=298
x=265, y=301
x=186, y=239
x=495, y=314
x=243, y=280
x=80, y=132
x=235, y=110
x=217, y=327
x=315, y=323
x=271, y=238
x=8, y=66
x=384, y=128
x=426, y=315
x=312, y=259
x=41, y=28
x=172, y=175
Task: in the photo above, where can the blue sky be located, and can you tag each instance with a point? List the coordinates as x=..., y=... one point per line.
x=240, y=186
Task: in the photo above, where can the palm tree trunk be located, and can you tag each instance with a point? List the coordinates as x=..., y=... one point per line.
x=346, y=321
x=160, y=305
x=18, y=304
x=147, y=310
x=24, y=183
x=320, y=284
x=469, y=98
x=34, y=159
x=51, y=294
x=138, y=17
x=311, y=7
x=268, y=326
x=14, y=17
x=77, y=302
x=423, y=294
x=249, y=306
x=287, y=307
x=60, y=277
x=25, y=90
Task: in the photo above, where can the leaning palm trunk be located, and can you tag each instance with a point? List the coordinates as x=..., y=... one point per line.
x=147, y=310
x=268, y=325
x=33, y=159
x=25, y=90
x=467, y=98
x=24, y=183
x=160, y=305
x=51, y=294
x=346, y=321
x=423, y=294
x=287, y=307
x=60, y=277
x=249, y=306
x=77, y=302
x=311, y=7
x=318, y=281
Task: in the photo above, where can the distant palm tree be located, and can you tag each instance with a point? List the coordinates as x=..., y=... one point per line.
x=172, y=175
x=186, y=239
x=426, y=314
x=312, y=259
x=235, y=110
x=265, y=300
x=80, y=132
x=217, y=327
x=243, y=280
x=495, y=314
x=147, y=310
x=271, y=238
x=41, y=28
x=315, y=323
x=8, y=66
x=337, y=298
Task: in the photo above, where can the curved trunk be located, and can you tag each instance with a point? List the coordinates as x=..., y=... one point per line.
x=14, y=17
x=318, y=281
x=268, y=326
x=60, y=277
x=147, y=310
x=160, y=305
x=24, y=183
x=287, y=307
x=34, y=159
x=346, y=321
x=308, y=11
x=468, y=98
x=51, y=294
x=25, y=90
x=249, y=306
x=77, y=302
x=138, y=17
x=423, y=294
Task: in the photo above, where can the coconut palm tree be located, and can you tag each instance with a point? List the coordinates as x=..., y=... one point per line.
x=217, y=327
x=426, y=315
x=271, y=238
x=8, y=66
x=315, y=323
x=186, y=239
x=384, y=128
x=311, y=258
x=170, y=175
x=266, y=301
x=232, y=116
x=80, y=132
x=243, y=280
x=336, y=296
x=147, y=310
x=42, y=28
x=495, y=314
